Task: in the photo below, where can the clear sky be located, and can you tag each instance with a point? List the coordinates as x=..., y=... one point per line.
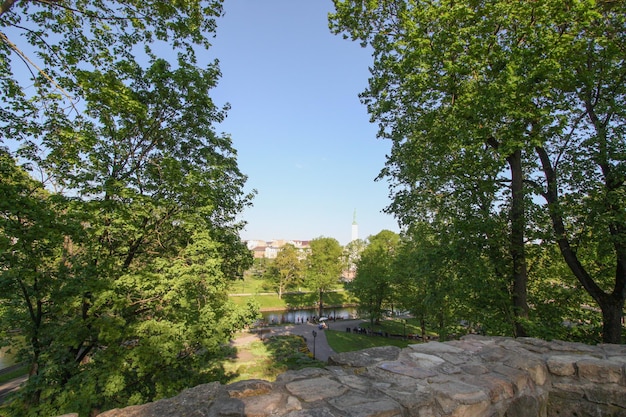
x=302, y=136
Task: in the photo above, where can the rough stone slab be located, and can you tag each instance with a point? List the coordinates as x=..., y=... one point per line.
x=571, y=390
x=315, y=412
x=475, y=369
x=472, y=410
x=265, y=405
x=494, y=354
x=520, y=379
x=497, y=388
x=601, y=371
x=535, y=367
x=525, y=406
x=406, y=370
x=362, y=406
x=365, y=357
x=611, y=395
x=564, y=365
x=421, y=398
x=190, y=402
x=435, y=348
x=355, y=382
x=301, y=374
x=425, y=361
x=249, y=388
x=457, y=391
x=223, y=407
x=316, y=389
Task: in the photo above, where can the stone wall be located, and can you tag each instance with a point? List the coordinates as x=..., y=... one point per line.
x=474, y=376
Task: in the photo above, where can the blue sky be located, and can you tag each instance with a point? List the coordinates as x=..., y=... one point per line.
x=302, y=136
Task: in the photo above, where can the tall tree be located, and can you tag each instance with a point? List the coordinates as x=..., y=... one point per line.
x=465, y=89
x=130, y=296
x=373, y=284
x=323, y=267
x=286, y=270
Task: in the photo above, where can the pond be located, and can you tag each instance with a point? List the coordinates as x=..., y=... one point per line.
x=306, y=314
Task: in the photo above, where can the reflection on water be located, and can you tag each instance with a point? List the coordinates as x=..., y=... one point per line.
x=304, y=315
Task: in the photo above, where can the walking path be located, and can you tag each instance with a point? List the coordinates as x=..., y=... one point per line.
x=317, y=344
x=13, y=385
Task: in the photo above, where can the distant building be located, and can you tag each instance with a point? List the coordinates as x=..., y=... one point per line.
x=269, y=249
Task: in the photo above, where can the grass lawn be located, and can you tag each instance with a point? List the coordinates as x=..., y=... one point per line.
x=269, y=358
x=13, y=374
x=296, y=300
x=349, y=342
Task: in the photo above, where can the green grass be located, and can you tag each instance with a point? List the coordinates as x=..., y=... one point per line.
x=13, y=374
x=296, y=300
x=248, y=285
x=349, y=342
x=265, y=301
x=269, y=358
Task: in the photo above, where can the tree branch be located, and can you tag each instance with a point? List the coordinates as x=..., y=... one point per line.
x=6, y=6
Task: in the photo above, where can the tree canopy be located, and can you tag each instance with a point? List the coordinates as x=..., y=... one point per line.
x=121, y=226
x=511, y=110
x=323, y=266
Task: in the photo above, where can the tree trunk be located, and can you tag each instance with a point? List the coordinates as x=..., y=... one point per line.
x=612, y=305
x=612, y=316
x=517, y=244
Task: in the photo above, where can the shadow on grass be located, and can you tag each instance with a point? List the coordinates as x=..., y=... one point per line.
x=268, y=358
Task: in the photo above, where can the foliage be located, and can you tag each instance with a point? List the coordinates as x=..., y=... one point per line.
x=492, y=107
x=286, y=270
x=373, y=284
x=323, y=266
x=115, y=260
x=352, y=253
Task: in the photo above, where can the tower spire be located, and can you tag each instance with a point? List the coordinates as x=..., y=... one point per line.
x=355, y=227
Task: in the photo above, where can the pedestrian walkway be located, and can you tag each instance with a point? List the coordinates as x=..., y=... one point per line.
x=317, y=344
x=10, y=386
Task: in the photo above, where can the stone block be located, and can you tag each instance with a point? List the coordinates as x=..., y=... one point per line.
x=266, y=405
x=436, y=348
x=316, y=389
x=248, y=388
x=498, y=389
x=606, y=394
x=601, y=371
x=564, y=365
x=521, y=380
x=357, y=405
x=535, y=367
x=407, y=370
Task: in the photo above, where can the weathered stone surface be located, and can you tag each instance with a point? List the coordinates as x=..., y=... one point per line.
x=599, y=370
x=365, y=357
x=316, y=389
x=472, y=377
x=195, y=401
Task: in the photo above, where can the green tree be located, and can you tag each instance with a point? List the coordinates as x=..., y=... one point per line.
x=373, y=284
x=127, y=299
x=286, y=270
x=483, y=95
x=323, y=267
x=351, y=255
